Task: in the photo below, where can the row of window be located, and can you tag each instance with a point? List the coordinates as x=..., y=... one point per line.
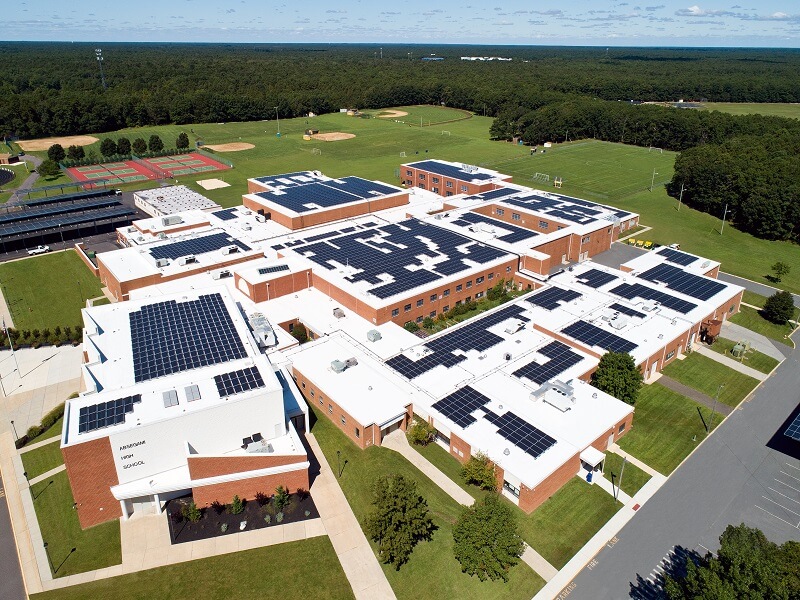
x=445, y=293
x=517, y=217
x=342, y=418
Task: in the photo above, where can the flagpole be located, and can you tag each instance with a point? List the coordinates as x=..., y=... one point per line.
x=11, y=345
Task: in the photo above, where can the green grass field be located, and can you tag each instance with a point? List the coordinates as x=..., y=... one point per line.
x=95, y=548
x=752, y=319
x=428, y=116
x=54, y=431
x=753, y=358
x=42, y=459
x=37, y=306
x=706, y=375
x=303, y=569
x=414, y=580
x=749, y=297
x=666, y=428
x=633, y=478
x=791, y=111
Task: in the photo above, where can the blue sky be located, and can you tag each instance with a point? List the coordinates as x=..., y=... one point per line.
x=769, y=23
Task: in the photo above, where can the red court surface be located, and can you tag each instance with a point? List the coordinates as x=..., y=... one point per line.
x=184, y=164
x=115, y=173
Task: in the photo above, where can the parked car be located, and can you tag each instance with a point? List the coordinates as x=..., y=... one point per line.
x=38, y=250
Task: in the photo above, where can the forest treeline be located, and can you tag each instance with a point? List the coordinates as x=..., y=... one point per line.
x=55, y=88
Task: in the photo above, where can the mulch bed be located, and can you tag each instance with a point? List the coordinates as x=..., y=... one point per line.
x=210, y=524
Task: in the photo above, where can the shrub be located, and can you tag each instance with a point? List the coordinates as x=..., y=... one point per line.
x=267, y=519
x=139, y=146
x=217, y=507
x=108, y=147
x=279, y=517
x=123, y=145
x=191, y=513
x=411, y=326
x=75, y=153
x=36, y=334
x=224, y=527
x=237, y=506
x=302, y=493
x=307, y=513
x=421, y=432
x=300, y=333
x=479, y=470
x=54, y=415
x=182, y=141
x=56, y=153
x=779, y=307
x=262, y=498
x=155, y=144
x=428, y=323
x=34, y=431
x=282, y=498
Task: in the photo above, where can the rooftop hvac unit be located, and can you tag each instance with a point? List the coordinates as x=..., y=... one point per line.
x=507, y=356
x=187, y=260
x=171, y=220
x=162, y=262
x=162, y=236
x=618, y=321
x=233, y=249
x=338, y=366
x=373, y=335
x=351, y=362
x=514, y=326
x=222, y=274
x=338, y=313
x=650, y=306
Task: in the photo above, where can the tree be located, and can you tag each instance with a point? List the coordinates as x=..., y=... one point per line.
x=746, y=566
x=75, y=152
x=486, y=540
x=300, y=333
x=479, y=470
x=191, y=513
x=108, y=147
x=155, y=144
x=139, y=146
x=48, y=168
x=56, y=153
x=182, y=141
x=421, y=432
x=618, y=375
x=123, y=146
x=399, y=521
x=779, y=307
x=780, y=269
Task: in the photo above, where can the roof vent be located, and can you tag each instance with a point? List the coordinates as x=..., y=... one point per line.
x=373, y=335
x=233, y=249
x=162, y=262
x=351, y=362
x=338, y=313
x=170, y=398
x=338, y=366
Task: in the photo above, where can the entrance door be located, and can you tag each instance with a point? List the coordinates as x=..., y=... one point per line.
x=610, y=439
x=389, y=429
x=654, y=368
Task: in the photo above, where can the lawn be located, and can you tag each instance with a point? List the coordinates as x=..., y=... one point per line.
x=666, y=428
x=567, y=520
x=432, y=571
x=429, y=116
x=753, y=358
x=749, y=297
x=94, y=548
x=42, y=459
x=752, y=319
x=54, y=431
x=303, y=569
x=543, y=529
x=756, y=108
x=34, y=305
x=706, y=375
x=633, y=478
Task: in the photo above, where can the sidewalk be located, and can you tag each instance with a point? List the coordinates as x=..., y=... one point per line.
x=729, y=362
x=600, y=481
x=634, y=461
x=762, y=343
x=693, y=394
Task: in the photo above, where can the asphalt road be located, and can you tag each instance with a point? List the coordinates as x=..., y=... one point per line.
x=11, y=585
x=758, y=288
x=746, y=472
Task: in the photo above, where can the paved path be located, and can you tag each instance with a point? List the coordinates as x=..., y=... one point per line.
x=38, y=445
x=50, y=473
x=754, y=286
x=693, y=394
x=604, y=484
x=358, y=561
x=730, y=363
x=746, y=472
x=634, y=461
x=16, y=197
x=762, y=343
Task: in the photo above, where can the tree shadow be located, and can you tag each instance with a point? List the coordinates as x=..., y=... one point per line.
x=702, y=418
x=673, y=566
x=772, y=278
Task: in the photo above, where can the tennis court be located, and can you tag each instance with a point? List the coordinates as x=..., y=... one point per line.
x=184, y=164
x=115, y=173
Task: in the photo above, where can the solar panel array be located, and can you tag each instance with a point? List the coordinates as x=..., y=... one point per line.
x=560, y=208
x=629, y=291
x=793, y=431
x=53, y=223
x=105, y=414
x=199, y=245
x=627, y=311
x=240, y=381
x=412, y=253
x=561, y=357
x=676, y=279
x=450, y=171
x=515, y=234
x=552, y=297
x=495, y=194
x=325, y=194
x=70, y=197
x=596, y=278
x=522, y=434
x=275, y=269
x=595, y=336
x=227, y=214
x=674, y=256
x=288, y=179
x=459, y=405
x=58, y=209
x=170, y=337
x=473, y=336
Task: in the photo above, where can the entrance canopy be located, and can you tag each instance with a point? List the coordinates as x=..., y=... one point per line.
x=592, y=456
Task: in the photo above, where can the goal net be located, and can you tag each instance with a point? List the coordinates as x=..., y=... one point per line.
x=541, y=177
x=402, y=155
x=316, y=151
x=445, y=133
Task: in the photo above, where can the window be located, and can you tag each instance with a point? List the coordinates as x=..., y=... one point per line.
x=435, y=190
x=609, y=230
x=358, y=433
x=421, y=185
x=435, y=180
x=543, y=224
x=303, y=383
x=479, y=279
x=330, y=408
x=559, y=228
x=395, y=312
x=459, y=287
x=515, y=216
x=508, y=269
x=312, y=393
x=449, y=184
x=491, y=275
x=512, y=489
x=448, y=194
x=433, y=297
x=419, y=319
x=409, y=182
x=433, y=314
x=321, y=401
x=670, y=355
x=446, y=292
x=621, y=427
x=458, y=302
x=730, y=310
x=463, y=188
x=479, y=295
x=408, y=172
x=446, y=308
x=468, y=298
x=586, y=239
x=422, y=176
x=469, y=284
x=344, y=421
x=500, y=211
x=420, y=302
x=407, y=308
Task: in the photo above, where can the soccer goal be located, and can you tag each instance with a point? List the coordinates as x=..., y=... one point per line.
x=655, y=149
x=402, y=155
x=445, y=133
x=557, y=182
x=316, y=151
x=541, y=177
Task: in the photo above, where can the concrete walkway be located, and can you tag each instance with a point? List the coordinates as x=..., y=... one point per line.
x=634, y=461
x=730, y=363
x=5, y=312
x=693, y=394
x=26, y=185
x=604, y=484
x=358, y=561
x=37, y=445
x=398, y=442
x=50, y=473
x=762, y=343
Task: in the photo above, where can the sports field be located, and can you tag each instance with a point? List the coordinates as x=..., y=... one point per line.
x=791, y=111
x=183, y=164
x=118, y=173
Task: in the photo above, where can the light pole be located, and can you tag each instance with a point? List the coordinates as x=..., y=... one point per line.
x=713, y=410
x=99, y=54
x=680, y=198
x=621, y=471
x=16, y=437
x=49, y=560
x=338, y=464
x=725, y=214
x=278, y=118
x=80, y=289
x=653, y=180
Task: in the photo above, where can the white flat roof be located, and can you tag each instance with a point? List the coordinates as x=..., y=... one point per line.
x=175, y=199
x=690, y=263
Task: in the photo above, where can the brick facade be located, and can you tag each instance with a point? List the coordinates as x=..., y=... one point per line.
x=247, y=489
x=91, y=472
x=202, y=467
x=446, y=186
x=263, y=291
x=531, y=498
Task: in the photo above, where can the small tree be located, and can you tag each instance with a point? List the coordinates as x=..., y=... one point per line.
x=779, y=307
x=428, y=322
x=139, y=146
x=421, y=432
x=237, y=506
x=108, y=147
x=182, y=141
x=479, y=470
x=300, y=333
x=780, y=269
x=191, y=513
x=400, y=519
x=486, y=540
x=75, y=153
x=411, y=326
x=56, y=153
x=123, y=146
x=155, y=144
x=282, y=498
x=618, y=375
x=48, y=168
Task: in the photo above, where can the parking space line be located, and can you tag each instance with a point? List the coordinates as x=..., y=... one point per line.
x=784, y=495
x=792, y=476
x=794, y=467
x=777, y=517
x=787, y=485
x=781, y=505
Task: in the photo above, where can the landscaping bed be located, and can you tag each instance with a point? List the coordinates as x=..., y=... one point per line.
x=219, y=520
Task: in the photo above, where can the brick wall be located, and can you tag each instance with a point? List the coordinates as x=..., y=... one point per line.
x=531, y=499
x=247, y=489
x=275, y=288
x=411, y=177
x=201, y=467
x=456, y=445
x=91, y=472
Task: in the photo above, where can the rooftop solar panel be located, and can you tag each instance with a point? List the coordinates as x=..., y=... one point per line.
x=105, y=414
x=793, y=431
x=596, y=278
x=57, y=209
x=274, y=269
x=226, y=215
x=674, y=256
x=459, y=405
x=325, y=194
x=68, y=220
x=237, y=382
x=560, y=358
x=552, y=297
x=446, y=170
x=696, y=286
x=70, y=197
x=515, y=234
x=523, y=435
x=194, y=246
x=637, y=290
x=170, y=337
x=627, y=311
x=595, y=336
